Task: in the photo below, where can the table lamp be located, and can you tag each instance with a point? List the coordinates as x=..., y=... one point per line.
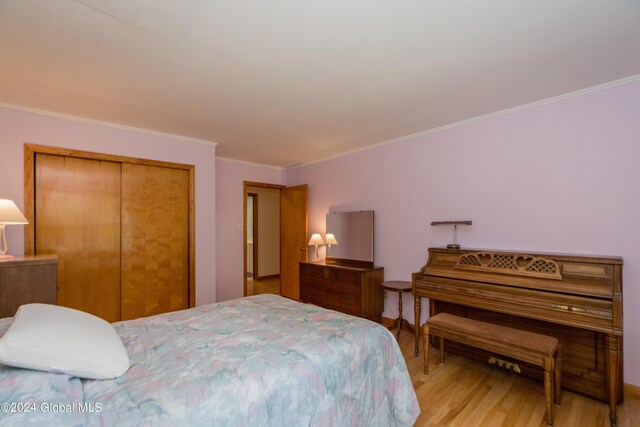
x=316, y=239
x=9, y=215
x=331, y=240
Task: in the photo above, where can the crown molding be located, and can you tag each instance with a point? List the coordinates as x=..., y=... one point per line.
x=105, y=124
x=244, y=162
x=551, y=100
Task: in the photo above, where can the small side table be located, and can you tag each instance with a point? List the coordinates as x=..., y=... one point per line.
x=398, y=286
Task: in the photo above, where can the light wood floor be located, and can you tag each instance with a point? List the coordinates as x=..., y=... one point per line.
x=467, y=393
x=267, y=286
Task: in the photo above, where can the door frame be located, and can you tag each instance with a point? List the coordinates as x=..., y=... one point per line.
x=254, y=238
x=245, y=193
x=30, y=151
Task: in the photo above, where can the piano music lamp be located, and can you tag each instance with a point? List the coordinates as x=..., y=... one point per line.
x=316, y=239
x=9, y=215
x=455, y=224
x=331, y=240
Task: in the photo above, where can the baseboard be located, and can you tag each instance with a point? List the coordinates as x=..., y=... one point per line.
x=271, y=276
x=632, y=390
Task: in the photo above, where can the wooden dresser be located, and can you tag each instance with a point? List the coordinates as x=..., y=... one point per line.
x=343, y=287
x=25, y=280
x=576, y=299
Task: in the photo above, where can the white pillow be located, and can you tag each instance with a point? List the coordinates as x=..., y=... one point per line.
x=62, y=340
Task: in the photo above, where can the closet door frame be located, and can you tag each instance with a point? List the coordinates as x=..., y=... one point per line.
x=30, y=151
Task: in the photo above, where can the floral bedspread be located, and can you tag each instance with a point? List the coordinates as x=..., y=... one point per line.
x=256, y=361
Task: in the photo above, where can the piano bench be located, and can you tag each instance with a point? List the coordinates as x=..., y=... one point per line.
x=536, y=349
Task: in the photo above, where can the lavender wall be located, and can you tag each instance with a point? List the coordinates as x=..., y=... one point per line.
x=18, y=127
x=230, y=176
x=560, y=177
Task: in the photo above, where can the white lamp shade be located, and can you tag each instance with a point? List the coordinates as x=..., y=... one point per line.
x=331, y=239
x=316, y=239
x=10, y=214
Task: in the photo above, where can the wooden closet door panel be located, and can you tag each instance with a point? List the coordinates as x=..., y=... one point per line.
x=155, y=240
x=77, y=217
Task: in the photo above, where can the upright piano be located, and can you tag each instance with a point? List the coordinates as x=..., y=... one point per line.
x=577, y=299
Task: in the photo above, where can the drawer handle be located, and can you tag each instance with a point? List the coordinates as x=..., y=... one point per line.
x=571, y=308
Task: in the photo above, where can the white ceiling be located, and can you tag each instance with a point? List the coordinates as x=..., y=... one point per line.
x=288, y=81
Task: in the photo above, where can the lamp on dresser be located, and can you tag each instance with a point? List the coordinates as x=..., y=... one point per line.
x=9, y=215
x=316, y=239
x=331, y=240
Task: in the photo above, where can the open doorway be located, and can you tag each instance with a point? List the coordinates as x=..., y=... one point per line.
x=252, y=234
x=262, y=240
x=273, y=249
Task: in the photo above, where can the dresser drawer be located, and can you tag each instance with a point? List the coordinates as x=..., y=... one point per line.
x=305, y=291
x=311, y=281
x=336, y=296
x=311, y=290
x=342, y=275
x=352, y=291
x=311, y=295
x=342, y=306
x=26, y=280
x=309, y=270
x=349, y=307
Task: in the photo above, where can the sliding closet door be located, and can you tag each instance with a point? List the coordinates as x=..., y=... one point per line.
x=155, y=240
x=77, y=217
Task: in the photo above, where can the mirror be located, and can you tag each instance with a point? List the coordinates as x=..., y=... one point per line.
x=353, y=232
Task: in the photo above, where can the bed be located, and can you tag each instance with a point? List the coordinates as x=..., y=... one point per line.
x=261, y=360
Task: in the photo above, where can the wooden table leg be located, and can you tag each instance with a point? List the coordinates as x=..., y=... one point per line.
x=425, y=336
x=612, y=369
x=399, y=314
x=416, y=314
x=558, y=376
x=548, y=389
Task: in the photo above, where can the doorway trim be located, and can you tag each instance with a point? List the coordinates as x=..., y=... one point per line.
x=30, y=151
x=245, y=193
x=254, y=238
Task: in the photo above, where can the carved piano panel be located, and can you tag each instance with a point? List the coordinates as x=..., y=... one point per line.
x=577, y=299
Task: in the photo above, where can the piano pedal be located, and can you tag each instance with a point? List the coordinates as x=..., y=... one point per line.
x=508, y=366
